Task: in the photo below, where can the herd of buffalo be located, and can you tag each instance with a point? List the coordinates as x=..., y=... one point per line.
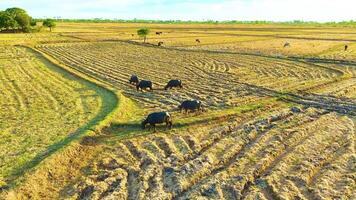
x=164, y=117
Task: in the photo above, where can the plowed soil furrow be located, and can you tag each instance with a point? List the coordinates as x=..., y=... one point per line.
x=242, y=155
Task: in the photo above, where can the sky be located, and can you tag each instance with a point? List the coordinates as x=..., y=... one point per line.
x=244, y=10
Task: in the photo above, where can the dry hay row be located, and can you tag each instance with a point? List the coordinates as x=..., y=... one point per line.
x=342, y=106
x=214, y=59
x=334, y=104
x=161, y=150
x=109, y=75
x=252, y=158
x=343, y=88
x=212, y=83
x=302, y=168
x=199, y=91
x=294, y=81
x=239, y=186
x=112, y=64
x=272, y=67
x=164, y=167
x=254, y=60
x=291, y=65
x=265, y=61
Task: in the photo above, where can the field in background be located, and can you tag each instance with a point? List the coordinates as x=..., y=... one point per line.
x=280, y=121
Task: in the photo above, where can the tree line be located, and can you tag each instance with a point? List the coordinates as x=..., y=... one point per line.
x=146, y=21
x=18, y=20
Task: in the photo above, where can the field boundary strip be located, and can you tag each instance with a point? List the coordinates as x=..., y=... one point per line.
x=60, y=155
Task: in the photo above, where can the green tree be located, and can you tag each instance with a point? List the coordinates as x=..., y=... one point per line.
x=7, y=21
x=20, y=16
x=143, y=32
x=33, y=22
x=50, y=23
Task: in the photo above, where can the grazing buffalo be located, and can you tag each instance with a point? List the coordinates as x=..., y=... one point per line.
x=346, y=47
x=197, y=40
x=192, y=105
x=286, y=45
x=134, y=80
x=160, y=44
x=159, y=33
x=157, y=118
x=143, y=84
x=173, y=83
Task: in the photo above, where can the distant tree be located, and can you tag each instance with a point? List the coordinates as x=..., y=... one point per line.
x=50, y=23
x=7, y=21
x=33, y=22
x=143, y=32
x=20, y=16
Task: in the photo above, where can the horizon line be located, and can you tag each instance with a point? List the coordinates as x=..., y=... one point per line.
x=179, y=20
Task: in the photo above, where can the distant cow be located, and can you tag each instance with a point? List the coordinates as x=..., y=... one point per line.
x=134, y=80
x=143, y=84
x=173, y=83
x=197, y=40
x=160, y=44
x=132, y=35
x=190, y=105
x=159, y=33
x=346, y=47
x=286, y=45
x=157, y=118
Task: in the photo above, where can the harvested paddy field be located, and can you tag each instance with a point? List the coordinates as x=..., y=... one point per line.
x=285, y=155
x=278, y=123
x=43, y=108
x=218, y=79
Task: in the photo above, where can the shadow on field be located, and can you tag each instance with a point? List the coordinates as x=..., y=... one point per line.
x=118, y=131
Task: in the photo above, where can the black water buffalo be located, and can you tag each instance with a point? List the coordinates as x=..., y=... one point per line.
x=346, y=47
x=173, y=83
x=197, y=40
x=143, y=84
x=134, y=79
x=160, y=44
x=190, y=105
x=157, y=118
x=159, y=33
